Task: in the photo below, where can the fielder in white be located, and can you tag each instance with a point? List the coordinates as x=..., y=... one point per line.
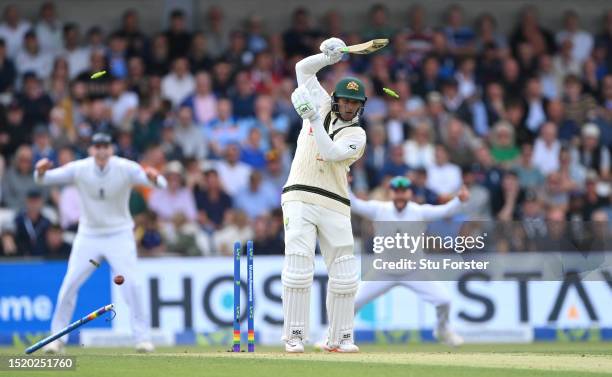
x=400, y=209
x=316, y=203
x=105, y=230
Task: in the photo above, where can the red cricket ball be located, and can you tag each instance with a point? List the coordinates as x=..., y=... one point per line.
x=119, y=279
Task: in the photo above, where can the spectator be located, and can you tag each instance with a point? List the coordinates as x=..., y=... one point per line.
x=179, y=84
x=78, y=58
x=256, y=38
x=41, y=148
x=243, y=101
x=419, y=150
x=179, y=39
x=515, y=115
x=203, y=102
x=395, y=164
x=418, y=36
x=55, y=246
x=35, y=102
x=14, y=132
x=554, y=193
x=7, y=70
x=535, y=104
x=137, y=41
x=275, y=173
x=13, y=29
x=233, y=173
x=443, y=177
x=176, y=199
x=379, y=23
x=117, y=56
x=31, y=58
x=217, y=38
x=252, y=152
x=568, y=129
x=199, y=55
x=546, y=149
x=224, y=129
x=529, y=30
x=395, y=123
x=146, y=129
x=488, y=37
x=188, y=135
x=158, y=61
x=511, y=198
x=236, y=228
x=579, y=106
x=237, y=54
x=564, y=63
x=529, y=176
x=301, y=38
x=477, y=208
x=169, y=145
x=581, y=40
x=31, y=226
x=211, y=201
x=149, y=239
x=125, y=146
x=258, y=199
x=420, y=192
x=511, y=76
x=95, y=41
x=503, y=146
x=593, y=201
x=265, y=239
x=19, y=179
x=123, y=106
x=548, y=79
x=461, y=38
x=572, y=174
x=263, y=74
x=494, y=102
x=49, y=29
x=590, y=153
x=428, y=79
x=459, y=142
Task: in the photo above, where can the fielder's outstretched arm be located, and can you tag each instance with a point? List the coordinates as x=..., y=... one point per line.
x=139, y=176
x=365, y=208
x=62, y=175
x=432, y=212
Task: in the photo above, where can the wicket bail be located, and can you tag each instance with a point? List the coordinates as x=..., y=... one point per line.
x=250, y=297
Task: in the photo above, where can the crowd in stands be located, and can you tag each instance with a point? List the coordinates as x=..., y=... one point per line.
x=523, y=118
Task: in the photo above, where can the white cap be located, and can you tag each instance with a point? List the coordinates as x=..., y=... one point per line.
x=590, y=130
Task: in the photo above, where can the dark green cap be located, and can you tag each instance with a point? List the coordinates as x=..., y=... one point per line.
x=351, y=88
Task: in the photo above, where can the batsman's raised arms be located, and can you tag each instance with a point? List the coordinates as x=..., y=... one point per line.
x=366, y=47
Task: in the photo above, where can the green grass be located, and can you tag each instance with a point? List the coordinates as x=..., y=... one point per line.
x=431, y=360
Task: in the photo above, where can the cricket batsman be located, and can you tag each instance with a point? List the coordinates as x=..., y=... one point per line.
x=105, y=230
x=316, y=203
x=401, y=209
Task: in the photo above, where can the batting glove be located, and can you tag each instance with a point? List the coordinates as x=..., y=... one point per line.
x=331, y=48
x=303, y=104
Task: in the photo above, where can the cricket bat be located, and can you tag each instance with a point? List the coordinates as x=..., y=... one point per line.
x=366, y=47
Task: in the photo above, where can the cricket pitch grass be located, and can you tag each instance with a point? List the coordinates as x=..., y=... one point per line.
x=430, y=360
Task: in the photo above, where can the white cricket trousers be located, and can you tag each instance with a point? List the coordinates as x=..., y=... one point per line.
x=119, y=249
x=433, y=292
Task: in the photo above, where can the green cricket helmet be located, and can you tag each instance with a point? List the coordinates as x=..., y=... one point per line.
x=350, y=88
x=400, y=183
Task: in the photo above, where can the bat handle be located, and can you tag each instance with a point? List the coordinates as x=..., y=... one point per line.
x=344, y=49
